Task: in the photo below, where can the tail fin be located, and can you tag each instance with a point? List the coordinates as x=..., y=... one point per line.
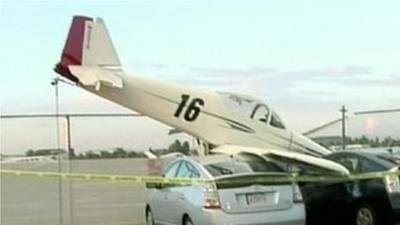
x=88, y=44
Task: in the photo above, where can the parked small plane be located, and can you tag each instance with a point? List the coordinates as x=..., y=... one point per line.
x=27, y=159
x=89, y=59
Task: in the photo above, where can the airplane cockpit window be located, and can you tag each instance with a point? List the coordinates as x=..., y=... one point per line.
x=276, y=121
x=251, y=108
x=238, y=104
x=260, y=113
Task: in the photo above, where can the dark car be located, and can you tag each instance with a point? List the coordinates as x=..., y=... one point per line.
x=373, y=201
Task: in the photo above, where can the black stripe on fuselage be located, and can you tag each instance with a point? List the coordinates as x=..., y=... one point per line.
x=232, y=123
x=235, y=125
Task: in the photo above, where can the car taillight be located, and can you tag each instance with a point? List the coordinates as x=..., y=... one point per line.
x=297, y=196
x=211, y=199
x=392, y=183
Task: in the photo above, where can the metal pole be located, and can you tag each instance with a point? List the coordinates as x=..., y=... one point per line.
x=343, y=110
x=68, y=135
x=69, y=169
x=60, y=200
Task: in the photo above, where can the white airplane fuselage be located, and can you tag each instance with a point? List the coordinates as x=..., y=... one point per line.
x=202, y=114
x=89, y=59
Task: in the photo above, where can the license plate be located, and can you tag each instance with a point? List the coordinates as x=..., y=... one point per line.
x=256, y=198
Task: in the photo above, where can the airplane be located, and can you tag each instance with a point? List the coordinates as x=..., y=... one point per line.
x=89, y=59
x=28, y=159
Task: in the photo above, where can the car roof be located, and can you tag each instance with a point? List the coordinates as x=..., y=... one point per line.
x=292, y=155
x=376, y=155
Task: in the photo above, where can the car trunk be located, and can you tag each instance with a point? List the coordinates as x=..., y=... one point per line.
x=254, y=192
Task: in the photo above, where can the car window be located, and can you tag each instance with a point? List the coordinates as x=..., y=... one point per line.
x=352, y=163
x=227, y=168
x=259, y=164
x=242, y=163
x=171, y=171
x=187, y=170
x=367, y=165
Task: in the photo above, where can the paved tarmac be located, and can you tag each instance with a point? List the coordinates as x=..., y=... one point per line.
x=36, y=201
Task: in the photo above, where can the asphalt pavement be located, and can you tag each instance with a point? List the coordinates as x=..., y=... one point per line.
x=32, y=200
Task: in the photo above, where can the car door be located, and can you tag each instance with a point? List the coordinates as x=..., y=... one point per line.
x=355, y=189
x=324, y=200
x=180, y=198
x=374, y=189
x=160, y=207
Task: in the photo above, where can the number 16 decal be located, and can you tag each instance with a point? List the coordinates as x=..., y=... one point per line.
x=193, y=109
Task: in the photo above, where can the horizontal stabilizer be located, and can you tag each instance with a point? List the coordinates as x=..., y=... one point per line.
x=95, y=76
x=89, y=45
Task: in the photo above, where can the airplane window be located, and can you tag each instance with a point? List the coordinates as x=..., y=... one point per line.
x=276, y=121
x=260, y=113
x=238, y=104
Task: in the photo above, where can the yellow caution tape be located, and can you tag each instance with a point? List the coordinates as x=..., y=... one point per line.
x=104, y=177
x=192, y=181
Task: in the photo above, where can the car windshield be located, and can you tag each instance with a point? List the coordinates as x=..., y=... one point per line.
x=242, y=163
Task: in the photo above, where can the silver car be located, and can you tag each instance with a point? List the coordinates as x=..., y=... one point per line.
x=241, y=194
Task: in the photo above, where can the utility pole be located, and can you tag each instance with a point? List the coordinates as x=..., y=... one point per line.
x=343, y=110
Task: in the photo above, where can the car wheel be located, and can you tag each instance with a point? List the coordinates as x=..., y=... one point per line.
x=365, y=215
x=187, y=221
x=149, y=217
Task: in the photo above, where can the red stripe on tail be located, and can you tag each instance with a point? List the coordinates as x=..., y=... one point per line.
x=73, y=49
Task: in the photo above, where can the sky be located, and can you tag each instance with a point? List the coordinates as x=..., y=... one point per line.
x=304, y=58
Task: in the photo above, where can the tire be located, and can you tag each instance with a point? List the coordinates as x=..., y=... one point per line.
x=149, y=217
x=365, y=215
x=187, y=221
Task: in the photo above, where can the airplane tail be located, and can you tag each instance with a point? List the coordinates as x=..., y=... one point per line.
x=88, y=44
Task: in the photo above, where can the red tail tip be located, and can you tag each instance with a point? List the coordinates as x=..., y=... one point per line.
x=73, y=49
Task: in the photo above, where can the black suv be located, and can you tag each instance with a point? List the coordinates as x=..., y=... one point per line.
x=361, y=202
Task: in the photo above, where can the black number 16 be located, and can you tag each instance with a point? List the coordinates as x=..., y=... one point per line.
x=193, y=109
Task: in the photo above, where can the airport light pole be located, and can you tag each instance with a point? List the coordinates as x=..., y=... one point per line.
x=343, y=110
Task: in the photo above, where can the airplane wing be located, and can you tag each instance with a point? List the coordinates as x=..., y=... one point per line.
x=90, y=60
x=287, y=157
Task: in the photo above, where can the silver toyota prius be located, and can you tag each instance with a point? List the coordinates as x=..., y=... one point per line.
x=241, y=194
